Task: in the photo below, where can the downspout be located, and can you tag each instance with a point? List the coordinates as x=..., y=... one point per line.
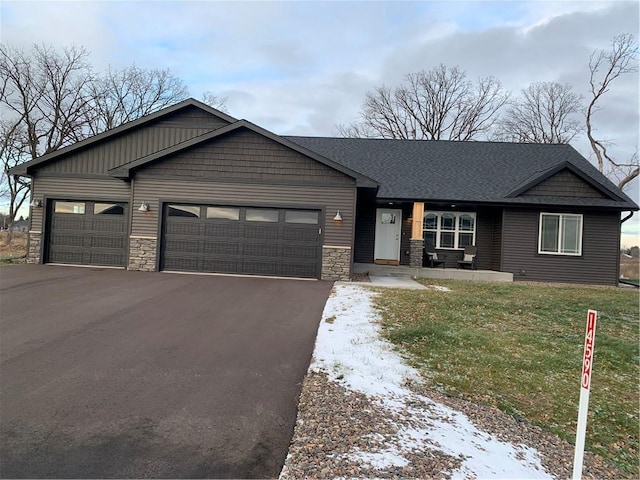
x=625, y=282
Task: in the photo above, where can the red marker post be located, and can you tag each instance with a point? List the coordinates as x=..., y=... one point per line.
x=585, y=386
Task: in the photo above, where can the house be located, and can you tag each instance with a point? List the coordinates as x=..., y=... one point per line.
x=190, y=188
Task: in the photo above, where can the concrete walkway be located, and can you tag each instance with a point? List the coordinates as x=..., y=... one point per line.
x=392, y=281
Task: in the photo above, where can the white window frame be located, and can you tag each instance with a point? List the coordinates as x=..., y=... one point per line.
x=560, y=233
x=456, y=230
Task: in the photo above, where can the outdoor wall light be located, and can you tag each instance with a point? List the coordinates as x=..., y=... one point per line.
x=36, y=203
x=144, y=207
x=338, y=217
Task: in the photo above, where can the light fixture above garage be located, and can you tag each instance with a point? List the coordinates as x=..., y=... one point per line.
x=36, y=203
x=338, y=217
x=144, y=207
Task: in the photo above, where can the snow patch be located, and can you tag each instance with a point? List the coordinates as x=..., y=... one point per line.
x=350, y=351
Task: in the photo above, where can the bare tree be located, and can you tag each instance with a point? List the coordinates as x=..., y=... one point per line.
x=435, y=105
x=120, y=96
x=43, y=99
x=14, y=147
x=52, y=98
x=546, y=112
x=215, y=101
x=605, y=67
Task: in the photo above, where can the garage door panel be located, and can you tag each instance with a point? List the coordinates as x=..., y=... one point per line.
x=221, y=265
x=262, y=231
x=223, y=230
x=300, y=252
x=298, y=234
x=255, y=241
x=78, y=235
x=222, y=248
x=108, y=241
x=181, y=227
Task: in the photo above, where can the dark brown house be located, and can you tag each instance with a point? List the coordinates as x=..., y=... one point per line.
x=192, y=189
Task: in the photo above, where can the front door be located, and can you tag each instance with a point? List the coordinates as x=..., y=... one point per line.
x=387, y=243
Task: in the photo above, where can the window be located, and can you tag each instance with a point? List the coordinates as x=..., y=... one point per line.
x=261, y=215
x=453, y=230
x=560, y=234
x=226, y=213
x=192, y=211
x=108, y=209
x=301, y=216
x=69, y=207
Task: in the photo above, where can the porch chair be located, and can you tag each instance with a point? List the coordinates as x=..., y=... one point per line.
x=469, y=258
x=431, y=257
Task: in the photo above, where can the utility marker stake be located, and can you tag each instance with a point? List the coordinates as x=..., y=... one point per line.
x=585, y=386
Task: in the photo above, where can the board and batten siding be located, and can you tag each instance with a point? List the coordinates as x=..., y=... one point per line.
x=598, y=263
x=75, y=188
x=332, y=198
x=137, y=143
x=244, y=154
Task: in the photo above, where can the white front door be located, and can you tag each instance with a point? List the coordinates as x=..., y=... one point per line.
x=387, y=242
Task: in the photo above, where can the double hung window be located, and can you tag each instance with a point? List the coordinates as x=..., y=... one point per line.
x=451, y=230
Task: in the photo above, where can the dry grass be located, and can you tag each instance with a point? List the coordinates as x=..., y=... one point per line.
x=629, y=268
x=16, y=249
x=519, y=348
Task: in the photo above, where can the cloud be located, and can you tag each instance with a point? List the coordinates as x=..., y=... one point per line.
x=303, y=67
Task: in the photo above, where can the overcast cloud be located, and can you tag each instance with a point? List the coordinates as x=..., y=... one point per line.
x=303, y=67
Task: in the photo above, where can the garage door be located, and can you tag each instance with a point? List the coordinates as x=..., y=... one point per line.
x=258, y=241
x=87, y=233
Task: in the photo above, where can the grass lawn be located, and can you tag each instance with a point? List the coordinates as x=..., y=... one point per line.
x=519, y=347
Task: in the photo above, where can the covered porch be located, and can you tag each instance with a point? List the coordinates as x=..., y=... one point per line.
x=435, y=273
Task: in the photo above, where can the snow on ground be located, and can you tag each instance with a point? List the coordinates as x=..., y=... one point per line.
x=350, y=351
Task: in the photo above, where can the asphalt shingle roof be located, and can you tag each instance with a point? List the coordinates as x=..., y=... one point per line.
x=475, y=172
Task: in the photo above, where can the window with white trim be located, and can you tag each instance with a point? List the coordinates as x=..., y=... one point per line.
x=453, y=230
x=560, y=234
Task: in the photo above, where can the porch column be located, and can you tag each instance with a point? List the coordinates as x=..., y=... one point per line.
x=416, y=243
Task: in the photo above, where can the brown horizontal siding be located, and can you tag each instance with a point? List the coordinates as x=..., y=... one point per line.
x=496, y=255
x=596, y=265
x=246, y=155
x=75, y=188
x=564, y=184
x=99, y=158
x=153, y=190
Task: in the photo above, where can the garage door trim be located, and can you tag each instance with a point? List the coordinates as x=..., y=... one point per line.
x=48, y=212
x=162, y=209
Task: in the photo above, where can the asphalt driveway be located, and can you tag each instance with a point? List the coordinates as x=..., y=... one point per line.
x=106, y=373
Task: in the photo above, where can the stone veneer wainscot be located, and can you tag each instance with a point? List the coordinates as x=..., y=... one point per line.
x=33, y=253
x=336, y=263
x=142, y=253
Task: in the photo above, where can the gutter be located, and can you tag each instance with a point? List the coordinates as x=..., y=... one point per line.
x=627, y=217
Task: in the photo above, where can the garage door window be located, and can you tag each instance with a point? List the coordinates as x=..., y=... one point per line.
x=191, y=211
x=226, y=213
x=108, y=209
x=301, y=216
x=70, y=207
x=262, y=215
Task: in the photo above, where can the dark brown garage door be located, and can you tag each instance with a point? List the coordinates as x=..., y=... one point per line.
x=242, y=240
x=87, y=233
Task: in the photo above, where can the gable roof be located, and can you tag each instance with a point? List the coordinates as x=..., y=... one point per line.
x=23, y=169
x=465, y=172
x=126, y=170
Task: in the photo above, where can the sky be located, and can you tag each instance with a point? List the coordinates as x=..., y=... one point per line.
x=301, y=68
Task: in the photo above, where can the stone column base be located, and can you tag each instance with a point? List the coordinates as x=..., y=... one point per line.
x=336, y=263
x=33, y=250
x=142, y=253
x=416, y=253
